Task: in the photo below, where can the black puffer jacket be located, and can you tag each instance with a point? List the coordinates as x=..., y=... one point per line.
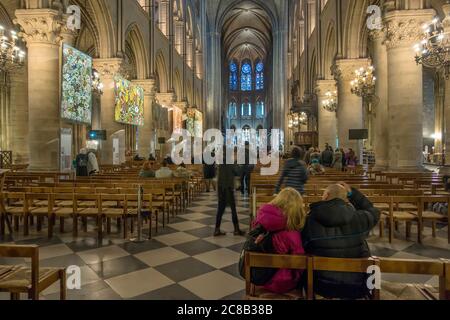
x=335, y=229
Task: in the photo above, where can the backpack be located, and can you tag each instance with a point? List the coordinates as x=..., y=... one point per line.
x=259, y=276
x=82, y=160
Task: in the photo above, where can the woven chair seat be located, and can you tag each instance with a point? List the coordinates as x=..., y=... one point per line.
x=19, y=278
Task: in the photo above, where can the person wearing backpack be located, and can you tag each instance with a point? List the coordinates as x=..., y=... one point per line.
x=81, y=163
x=284, y=218
x=295, y=173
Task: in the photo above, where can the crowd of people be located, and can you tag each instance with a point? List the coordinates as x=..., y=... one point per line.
x=336, y=227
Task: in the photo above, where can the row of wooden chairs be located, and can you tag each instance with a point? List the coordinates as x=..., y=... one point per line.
x=310, y=265
x=81, y=206
x=408, y=209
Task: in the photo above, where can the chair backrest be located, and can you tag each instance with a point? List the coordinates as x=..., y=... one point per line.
x=32, y=251
x=422, y=267
x=256, y=260
x=340, y=265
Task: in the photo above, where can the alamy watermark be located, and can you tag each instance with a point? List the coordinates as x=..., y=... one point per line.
x=213, y=149
x=74, y=19
x=374, y=21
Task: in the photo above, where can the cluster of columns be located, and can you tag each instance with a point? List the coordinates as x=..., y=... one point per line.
x=44, y=30
x=398, y=113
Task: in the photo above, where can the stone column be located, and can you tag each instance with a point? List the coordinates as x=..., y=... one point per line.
x=380, y=110
x=350, y=108
x=42, y=33
x=405, y=93
x=19, y=116
x=439, y=94
x=166, y=100
x=327, y=120
x=108, y=68
x=445, y=139
x=145, y=132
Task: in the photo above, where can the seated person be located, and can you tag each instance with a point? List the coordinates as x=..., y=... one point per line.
x=284, y=217
x=147, y=170
x=164, y=172
x=316, y=169
x=338, y=227
x=182, y=172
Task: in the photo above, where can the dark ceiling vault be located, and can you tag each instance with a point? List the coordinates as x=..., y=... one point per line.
x=247, y=32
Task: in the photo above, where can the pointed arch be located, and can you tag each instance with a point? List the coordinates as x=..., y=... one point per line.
x=134, y=38
x=161, y=71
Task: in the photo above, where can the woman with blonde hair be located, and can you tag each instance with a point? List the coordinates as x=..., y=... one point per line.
x=284, y=218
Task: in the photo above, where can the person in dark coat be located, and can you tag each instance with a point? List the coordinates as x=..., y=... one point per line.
x=326, y=158
x=209, y=174
x=246, y=171
x=225, y=188
x=338, y=227
x=295, y=173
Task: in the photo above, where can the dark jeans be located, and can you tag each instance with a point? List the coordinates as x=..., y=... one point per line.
x=226, y=198
x=245, y=178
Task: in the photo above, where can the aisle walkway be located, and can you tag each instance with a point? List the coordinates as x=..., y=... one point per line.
x=184, y=261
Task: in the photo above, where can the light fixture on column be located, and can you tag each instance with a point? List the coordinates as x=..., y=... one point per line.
x=11, y=54
x=295, y=119
x=97, y=84
x=364, y=83
x=434, y=49
x=330, y=103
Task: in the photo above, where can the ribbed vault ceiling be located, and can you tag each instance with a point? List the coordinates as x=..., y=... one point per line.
x=247, y=32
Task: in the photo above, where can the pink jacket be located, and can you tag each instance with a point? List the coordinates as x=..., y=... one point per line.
x=284, y=242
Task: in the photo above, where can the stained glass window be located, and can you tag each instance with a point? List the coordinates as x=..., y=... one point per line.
x=246, y=109
x=260, y=110
x=246, y=77
x=232, y=110
x=233, y=77
x=260, y=76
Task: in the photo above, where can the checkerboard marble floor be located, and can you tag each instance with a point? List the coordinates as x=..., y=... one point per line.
x=184, y=261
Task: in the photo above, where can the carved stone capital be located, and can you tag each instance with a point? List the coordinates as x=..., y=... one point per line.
x=41, y=26
x=108, y=68
x=344, y=69
x=404, y=27
x=166, y=99
x=182, y=105
x=324, y=86
x=149, y=86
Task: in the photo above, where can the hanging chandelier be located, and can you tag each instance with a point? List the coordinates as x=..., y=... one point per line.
x=364, y=83
x=296, y=119
x=330, y=103
x=11, y=55
x=97, y=84
x=434, y=49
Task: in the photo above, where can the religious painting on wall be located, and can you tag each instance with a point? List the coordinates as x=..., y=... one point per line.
x=190, y=121
x=76, y=86
x=198, y=124
x=129, y=107
x=177, y=120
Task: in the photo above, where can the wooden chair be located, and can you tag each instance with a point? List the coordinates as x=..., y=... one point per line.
x=255, y=260
x=87, y=206
x=31, y=281
x=394, y=216
x=425, y=215
x=112, y=206
x=62, y=208
x=38, y=205
x=422, y=267
x=15, y=208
